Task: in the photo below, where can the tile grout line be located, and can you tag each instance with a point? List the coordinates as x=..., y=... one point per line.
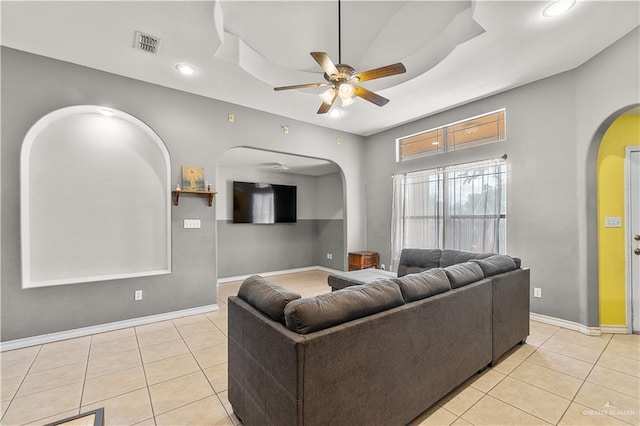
x=204, y=374
x=564, y=413
x=20, y=385
x=86, y=371
x=502, y=379
x=144, y=373
x=81, y=392
x=492, y=396
x=573, y=400
x=618, y=372
x=233, y=422
x=201, y=371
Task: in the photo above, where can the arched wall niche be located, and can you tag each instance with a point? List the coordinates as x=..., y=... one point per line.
x=95, y=198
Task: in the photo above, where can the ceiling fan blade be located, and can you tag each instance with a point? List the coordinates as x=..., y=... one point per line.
x=368, y=95
x=325, y=62
x=299, y=86
x=387, y=71
x=325, y=107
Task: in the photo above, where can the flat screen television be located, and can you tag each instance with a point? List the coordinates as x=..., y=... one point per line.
x=264, y=203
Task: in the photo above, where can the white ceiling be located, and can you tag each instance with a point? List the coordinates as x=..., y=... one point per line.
x=454, y=51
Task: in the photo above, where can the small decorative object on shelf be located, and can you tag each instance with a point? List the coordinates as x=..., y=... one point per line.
x=178, y=187
x=208, y=187
x=192, y=178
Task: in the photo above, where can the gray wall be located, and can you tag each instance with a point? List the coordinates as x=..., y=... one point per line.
x=329, y=233
x=196, y=132
x=245, y=248
x=251, y=248
x=554, y=129
x=552, y=132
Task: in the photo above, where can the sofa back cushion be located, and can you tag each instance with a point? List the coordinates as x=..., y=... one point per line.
x=453, y=257
x=495, y=265
x=423, y=285
x=462, y=274
x=266, y=297
x=327, y=310
x=413, y=261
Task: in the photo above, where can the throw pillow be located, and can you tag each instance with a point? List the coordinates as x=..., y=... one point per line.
x=266, y=297
x=327, y=310
x=495, y=265
x=463, y=274
x=423, y=285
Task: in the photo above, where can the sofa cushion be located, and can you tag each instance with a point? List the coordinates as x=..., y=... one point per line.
x=266, y=297
x=452, y=257
x=423, y=285
x=495, y=265
x=327, y=310
x=462, y=274
x=413, y=261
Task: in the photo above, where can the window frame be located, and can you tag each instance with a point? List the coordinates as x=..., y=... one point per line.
x=445, y=130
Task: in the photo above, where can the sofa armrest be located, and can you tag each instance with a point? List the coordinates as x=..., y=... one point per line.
x=266, y=364
x=510, y=294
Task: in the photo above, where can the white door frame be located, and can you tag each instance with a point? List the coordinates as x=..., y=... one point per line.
x=629, y=235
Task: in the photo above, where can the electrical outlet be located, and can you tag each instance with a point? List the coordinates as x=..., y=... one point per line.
x=537, y=292
x=137, y=295
x=329, y=256
x=192, y=223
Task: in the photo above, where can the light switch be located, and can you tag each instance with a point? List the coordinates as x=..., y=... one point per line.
x=613, y=222
x=191, y=223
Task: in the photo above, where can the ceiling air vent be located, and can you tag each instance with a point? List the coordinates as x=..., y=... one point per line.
x=146, y=43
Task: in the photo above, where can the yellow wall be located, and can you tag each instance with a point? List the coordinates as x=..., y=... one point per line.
x=625, y=131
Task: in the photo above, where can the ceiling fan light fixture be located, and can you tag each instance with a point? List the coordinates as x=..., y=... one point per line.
x=345, y=102
x=346, y=90
x=328, y=95
x=558, y=8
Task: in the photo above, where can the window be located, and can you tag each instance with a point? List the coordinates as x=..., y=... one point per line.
x=480, y=130
x=456, y=207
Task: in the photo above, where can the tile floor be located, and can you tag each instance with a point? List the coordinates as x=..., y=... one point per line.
x=175, y=373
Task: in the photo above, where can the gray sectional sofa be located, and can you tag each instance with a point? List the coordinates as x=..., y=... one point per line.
x=376, y=353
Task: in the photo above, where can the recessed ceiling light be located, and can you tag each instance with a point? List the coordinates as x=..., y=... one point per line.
x=558, y=8
x=335, y=113
x=186, y=69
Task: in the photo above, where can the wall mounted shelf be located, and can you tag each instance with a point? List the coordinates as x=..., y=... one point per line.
x=176, y=195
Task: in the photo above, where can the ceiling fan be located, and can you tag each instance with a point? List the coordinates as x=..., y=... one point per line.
x=343, y=79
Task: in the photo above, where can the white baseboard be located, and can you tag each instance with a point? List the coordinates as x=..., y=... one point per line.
x=589, y=331
x=614, y=329
x=283, y=272
x=102, y=328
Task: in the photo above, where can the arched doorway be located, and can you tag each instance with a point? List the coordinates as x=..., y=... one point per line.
x=614, y=222
x=317, y=238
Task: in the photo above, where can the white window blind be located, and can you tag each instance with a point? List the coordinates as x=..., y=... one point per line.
x=458, y=207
